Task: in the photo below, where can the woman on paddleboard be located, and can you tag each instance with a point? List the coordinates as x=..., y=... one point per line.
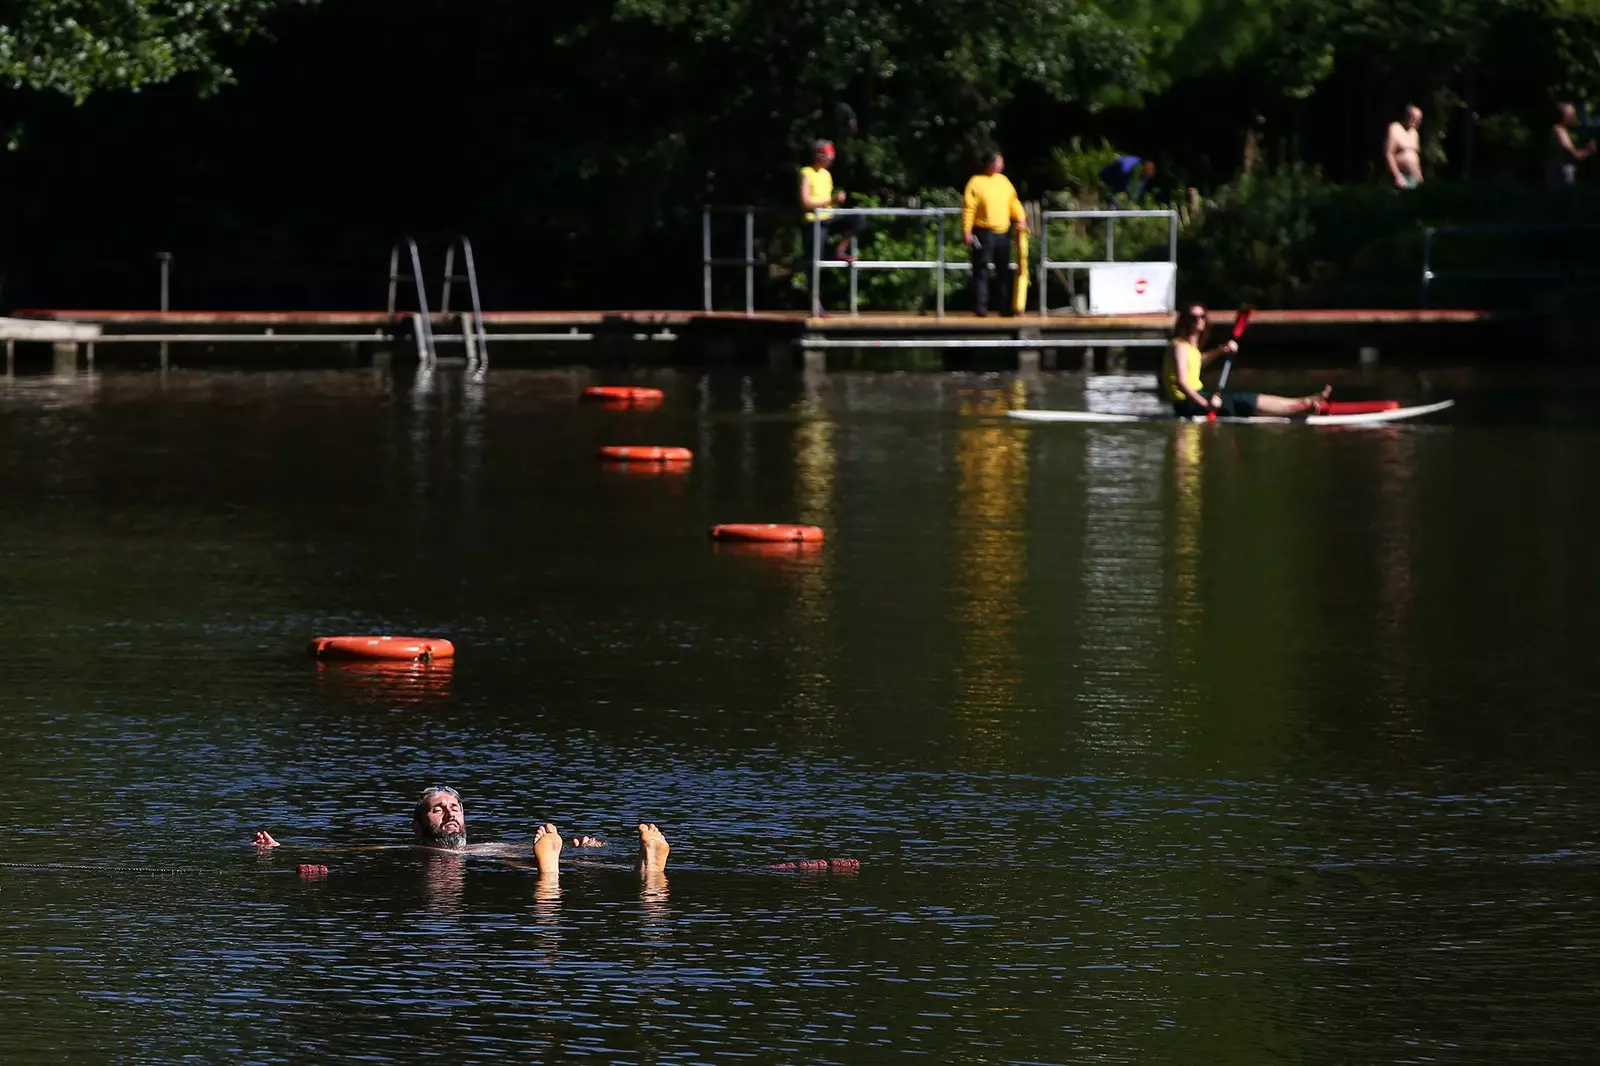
x=1181, y=385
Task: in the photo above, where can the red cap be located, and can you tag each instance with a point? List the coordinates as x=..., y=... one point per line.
x=825, y=149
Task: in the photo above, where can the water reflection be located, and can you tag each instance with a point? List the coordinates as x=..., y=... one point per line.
x=393, y=685
x=990, y=566
x=1276, y=776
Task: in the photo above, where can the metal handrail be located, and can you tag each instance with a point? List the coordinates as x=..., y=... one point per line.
x=940, y=265
x=424, y=323
x=749, y=262
x=471, y=331
x=1429, y=275
x=1046, y=264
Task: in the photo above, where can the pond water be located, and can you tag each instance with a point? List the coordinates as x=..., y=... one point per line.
x=1156, y=743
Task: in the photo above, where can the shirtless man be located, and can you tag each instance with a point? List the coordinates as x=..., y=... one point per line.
x=1561, y=155
x=439, y=823
x=1403, y=152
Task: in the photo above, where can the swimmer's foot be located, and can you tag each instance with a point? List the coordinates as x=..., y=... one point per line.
x=653, y=848
x=547, y=848
x=1318, y=402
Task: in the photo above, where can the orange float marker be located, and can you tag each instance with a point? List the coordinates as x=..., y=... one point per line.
x=640, y=453
x=766, y=532
x=623, y=394
x=409, y=649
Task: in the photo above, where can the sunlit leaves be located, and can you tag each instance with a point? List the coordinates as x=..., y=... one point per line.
x=77, y=47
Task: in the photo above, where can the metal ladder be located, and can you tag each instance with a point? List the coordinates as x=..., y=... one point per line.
x=473, y=334
x=421, y=320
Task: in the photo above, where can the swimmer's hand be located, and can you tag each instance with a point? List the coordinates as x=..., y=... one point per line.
x=264, y=840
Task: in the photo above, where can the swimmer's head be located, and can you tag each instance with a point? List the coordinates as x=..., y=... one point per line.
x=439, y=819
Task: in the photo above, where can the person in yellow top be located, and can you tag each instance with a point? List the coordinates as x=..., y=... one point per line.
x=1181, y=385
x=989, y=206
x=818, y=198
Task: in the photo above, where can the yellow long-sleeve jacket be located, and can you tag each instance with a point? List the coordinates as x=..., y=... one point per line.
x=991, y=203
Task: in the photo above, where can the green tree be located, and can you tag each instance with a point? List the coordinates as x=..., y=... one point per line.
x=79, y=47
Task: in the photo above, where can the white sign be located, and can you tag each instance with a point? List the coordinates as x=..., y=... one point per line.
x=1133, y=288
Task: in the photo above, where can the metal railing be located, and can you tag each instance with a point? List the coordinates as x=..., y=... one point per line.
x=938, y=222
x=938, y=264
x=1046, y=264
x=749, y=261
x=473, y=335
x=422, y=321
x=1547, y=273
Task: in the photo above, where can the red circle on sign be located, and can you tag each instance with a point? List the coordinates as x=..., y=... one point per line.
x=1139, y=286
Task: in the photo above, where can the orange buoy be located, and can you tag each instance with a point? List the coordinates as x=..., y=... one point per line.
x=641, y=453
x=410, y=649
x=628, y=394
x=766, y=531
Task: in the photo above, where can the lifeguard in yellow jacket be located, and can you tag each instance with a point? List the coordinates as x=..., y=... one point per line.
x=989, y=208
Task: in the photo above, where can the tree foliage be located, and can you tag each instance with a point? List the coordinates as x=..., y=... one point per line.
x=78, y=47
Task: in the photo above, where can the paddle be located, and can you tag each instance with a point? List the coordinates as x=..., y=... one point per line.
x=1241, y=322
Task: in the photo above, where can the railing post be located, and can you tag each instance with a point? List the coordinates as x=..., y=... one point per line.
x=1044, y=258
x=1427, y=264
x=165, y=259
x=1172, y=237
x=1111, y=238
x=394, y=275
x=477, y=303
x=449, y=274
x=705, y=249
x=854, y=249
x=816, y=264
x=749, y=260
x=939, y=270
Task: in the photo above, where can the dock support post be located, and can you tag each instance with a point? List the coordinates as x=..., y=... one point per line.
x=11, y=357
x=165, y=258
x=1368, y=356
x=66, y=358
x=1088, y=361
x=88, y=352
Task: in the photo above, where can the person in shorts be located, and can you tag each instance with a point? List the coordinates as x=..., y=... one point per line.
x=1181, y=385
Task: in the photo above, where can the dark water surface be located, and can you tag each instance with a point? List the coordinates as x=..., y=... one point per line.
x=1157, y=744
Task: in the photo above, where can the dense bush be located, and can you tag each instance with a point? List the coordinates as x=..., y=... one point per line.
x=1289, y=238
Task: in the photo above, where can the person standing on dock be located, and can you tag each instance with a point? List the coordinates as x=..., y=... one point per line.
x=989, y=207
x=1402, y=151
x=1561, y=156
x=818, y=198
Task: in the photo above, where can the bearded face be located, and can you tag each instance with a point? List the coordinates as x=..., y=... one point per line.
x=439, y=820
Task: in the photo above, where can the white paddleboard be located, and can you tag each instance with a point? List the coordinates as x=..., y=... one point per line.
x=1398, y=414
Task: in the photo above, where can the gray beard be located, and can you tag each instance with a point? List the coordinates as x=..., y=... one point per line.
x=440, y=839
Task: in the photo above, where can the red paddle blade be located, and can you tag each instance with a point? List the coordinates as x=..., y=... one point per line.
x=1241, y=321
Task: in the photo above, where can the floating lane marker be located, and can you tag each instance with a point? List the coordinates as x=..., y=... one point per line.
x=640, y=453
x=408, y=649
x=766, y=532
x=623, y=394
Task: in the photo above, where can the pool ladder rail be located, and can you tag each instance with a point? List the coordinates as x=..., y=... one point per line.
x=474, y=337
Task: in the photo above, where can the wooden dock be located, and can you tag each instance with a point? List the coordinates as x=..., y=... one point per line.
x=773, y=337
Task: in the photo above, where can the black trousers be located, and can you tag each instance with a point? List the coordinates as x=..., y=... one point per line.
x=991, y=249
x=841, y=225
